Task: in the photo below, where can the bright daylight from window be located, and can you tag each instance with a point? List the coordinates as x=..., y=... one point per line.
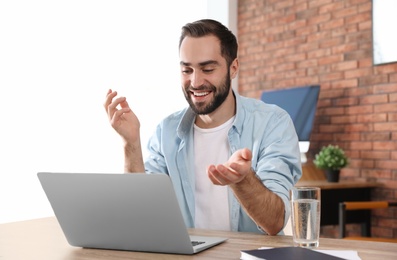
x=58, y=59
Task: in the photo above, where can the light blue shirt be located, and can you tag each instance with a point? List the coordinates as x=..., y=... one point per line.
x=265, y=129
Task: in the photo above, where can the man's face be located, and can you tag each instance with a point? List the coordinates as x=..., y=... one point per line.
x=204, y=73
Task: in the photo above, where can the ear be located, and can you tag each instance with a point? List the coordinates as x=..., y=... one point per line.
x=234, y=68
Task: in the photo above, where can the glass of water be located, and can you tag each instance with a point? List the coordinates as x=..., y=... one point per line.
x=305, y=216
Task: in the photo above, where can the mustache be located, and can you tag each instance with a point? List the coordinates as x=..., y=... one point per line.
x=201, y=88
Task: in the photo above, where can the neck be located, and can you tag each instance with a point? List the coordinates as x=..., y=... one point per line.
x=223, y=113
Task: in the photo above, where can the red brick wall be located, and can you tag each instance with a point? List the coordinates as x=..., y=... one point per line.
x=285, y=43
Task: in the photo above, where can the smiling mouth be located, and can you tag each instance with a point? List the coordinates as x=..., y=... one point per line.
x=200, y=94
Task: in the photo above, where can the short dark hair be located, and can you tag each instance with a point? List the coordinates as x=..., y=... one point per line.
x=206, y=27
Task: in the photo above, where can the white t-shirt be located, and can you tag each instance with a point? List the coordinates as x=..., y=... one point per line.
x=211, y=146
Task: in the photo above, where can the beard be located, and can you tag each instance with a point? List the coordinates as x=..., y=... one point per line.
x=219, y=96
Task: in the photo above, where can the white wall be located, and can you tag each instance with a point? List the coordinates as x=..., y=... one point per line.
x=57, y=60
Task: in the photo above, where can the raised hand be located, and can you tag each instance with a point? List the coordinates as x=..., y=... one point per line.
x=122, y=118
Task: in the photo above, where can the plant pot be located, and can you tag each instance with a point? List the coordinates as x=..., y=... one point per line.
x=332, y=175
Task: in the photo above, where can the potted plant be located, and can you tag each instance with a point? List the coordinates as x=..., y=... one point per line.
x=331, y=158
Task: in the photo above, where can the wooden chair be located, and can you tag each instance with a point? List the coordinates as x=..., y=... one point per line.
x=365, y=231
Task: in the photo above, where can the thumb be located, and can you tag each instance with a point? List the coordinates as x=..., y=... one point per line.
x=124, y=103
x=246, y=154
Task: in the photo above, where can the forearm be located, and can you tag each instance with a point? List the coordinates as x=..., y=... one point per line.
x=262, y=205
x=133, y=159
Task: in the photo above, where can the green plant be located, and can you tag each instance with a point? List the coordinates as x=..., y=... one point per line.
x=331, y=157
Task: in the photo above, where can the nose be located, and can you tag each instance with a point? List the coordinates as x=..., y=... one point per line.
x=196, y=79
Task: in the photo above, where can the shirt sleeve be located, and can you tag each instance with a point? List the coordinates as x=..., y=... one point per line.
x=278, y=165
x=155, y=162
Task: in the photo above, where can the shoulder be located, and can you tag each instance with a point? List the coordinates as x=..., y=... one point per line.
x=181, y=119
x=176, y=116
x=257, y=107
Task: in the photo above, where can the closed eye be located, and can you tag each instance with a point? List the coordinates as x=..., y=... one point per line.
x=186, y=71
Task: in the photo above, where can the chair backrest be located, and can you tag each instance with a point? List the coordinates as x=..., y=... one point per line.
x=359, y=205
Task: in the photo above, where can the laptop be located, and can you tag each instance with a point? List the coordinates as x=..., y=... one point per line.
x=134, y=212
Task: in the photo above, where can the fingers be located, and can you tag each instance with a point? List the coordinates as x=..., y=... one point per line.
x=215, y=177
x=109, y=97
x=118, y=113
x=235, y=170
x=124, y=103
x=221, y=175
x=111, y=105
x=216, y=181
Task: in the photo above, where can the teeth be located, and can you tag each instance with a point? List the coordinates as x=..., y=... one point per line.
x=200, y=94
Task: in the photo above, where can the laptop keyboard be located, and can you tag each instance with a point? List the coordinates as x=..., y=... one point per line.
x=195, y=243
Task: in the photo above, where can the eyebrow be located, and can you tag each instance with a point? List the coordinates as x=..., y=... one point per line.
x=201, y=64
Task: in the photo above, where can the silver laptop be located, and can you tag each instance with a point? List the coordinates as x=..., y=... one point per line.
x=135, y=212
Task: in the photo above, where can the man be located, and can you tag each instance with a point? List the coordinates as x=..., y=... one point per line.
x=232, y=160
